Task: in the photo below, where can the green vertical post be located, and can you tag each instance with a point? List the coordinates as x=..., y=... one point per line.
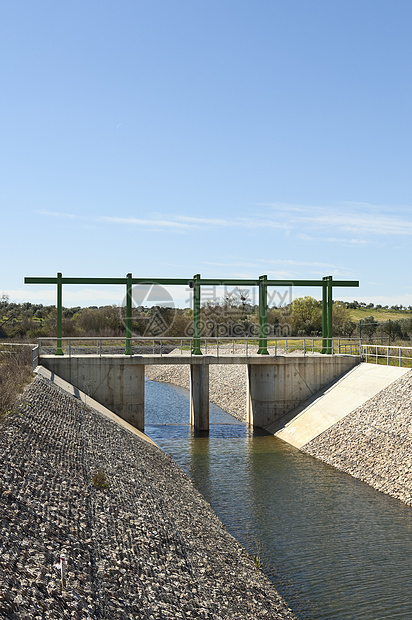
x=330, y=315
x=324, y=315
x=59, y=350
x=129, y=293
x=196, y=315
x=263, y=316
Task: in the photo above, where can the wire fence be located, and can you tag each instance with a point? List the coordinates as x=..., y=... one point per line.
x=208, y=346
x=389, y=355
x=371, y=353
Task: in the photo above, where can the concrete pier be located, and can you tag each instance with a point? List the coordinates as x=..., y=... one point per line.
x=199, y=396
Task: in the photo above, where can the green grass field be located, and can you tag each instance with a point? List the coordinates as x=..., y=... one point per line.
x=380, y=315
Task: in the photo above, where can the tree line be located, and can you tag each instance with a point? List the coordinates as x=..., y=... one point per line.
x=232, y=316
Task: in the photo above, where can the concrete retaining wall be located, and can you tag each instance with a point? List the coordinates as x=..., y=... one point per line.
x=115, y=382
x=277, y=388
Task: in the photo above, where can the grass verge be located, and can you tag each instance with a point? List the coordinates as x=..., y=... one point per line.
x=15, y=372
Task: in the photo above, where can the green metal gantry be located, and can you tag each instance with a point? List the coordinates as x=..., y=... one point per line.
x=327, y=283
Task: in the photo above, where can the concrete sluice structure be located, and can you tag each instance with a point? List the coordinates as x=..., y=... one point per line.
x=276, y=384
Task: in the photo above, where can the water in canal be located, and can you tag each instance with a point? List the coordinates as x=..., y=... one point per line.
x=333, y=546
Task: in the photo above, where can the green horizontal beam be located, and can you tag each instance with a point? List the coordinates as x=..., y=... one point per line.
x=232, y=282
x=186, y=281
x=170, y=281
x=29, y=280
x=312, y=282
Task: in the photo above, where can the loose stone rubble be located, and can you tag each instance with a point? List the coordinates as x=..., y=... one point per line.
x=372, y=443
x=146, y=546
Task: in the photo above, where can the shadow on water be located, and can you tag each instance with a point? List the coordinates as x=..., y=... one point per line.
x=333, y=546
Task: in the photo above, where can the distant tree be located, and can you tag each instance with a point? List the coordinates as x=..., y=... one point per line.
x=341, y=321
x=306, y=316
x=368, y=327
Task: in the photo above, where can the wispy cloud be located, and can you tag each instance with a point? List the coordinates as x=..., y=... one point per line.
x=278, y=268
x=336, y=240
x=357, y=218
x=70, y=216
x=173, y=222
x=350, y=223
x=134, y=221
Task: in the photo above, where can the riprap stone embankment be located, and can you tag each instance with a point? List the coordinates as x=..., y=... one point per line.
x=147, y=546
x=374, y=442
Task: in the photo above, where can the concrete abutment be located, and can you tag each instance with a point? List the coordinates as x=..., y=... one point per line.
x=276, y=388
x=117, y=383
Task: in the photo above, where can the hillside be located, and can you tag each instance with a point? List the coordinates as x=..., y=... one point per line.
x=380, y=314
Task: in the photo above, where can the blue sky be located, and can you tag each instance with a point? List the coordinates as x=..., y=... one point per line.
x=231, y=138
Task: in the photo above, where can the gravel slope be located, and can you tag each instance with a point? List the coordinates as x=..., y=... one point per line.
x=148, y=546
x=374, y=442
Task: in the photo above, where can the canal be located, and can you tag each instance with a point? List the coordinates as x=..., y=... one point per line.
x=333, y=546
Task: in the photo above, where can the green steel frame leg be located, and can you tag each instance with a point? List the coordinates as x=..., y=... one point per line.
x=196, y=315
x=330, y=315
x=263, y=316
x=129, y=293
x=59, y=350
x=324, y=315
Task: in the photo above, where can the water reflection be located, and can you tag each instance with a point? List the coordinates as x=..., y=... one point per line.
x=334, y=547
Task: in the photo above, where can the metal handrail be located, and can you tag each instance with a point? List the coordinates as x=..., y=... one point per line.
x=378, y=354
x=309, y=345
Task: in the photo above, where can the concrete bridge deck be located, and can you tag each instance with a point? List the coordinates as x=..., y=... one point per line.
x=276, y=384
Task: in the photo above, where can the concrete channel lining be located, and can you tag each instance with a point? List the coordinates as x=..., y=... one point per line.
x=330, y=405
